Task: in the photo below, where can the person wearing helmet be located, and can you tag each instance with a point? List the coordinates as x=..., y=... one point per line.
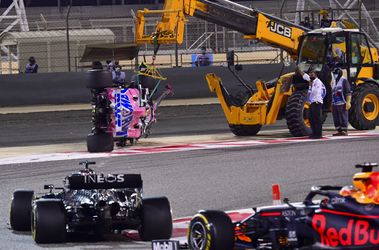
x=32, y=66
x=365, y=188
x=341, y=102
x=118, y=76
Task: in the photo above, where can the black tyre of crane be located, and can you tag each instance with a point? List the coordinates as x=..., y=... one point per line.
x=297, y=113
x=364, y=111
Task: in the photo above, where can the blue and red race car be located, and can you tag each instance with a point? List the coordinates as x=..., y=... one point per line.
x=340, y=218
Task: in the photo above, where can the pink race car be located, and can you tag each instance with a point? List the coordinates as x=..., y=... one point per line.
x=121, y=112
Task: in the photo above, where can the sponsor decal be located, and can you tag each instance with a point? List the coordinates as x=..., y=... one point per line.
x=288, y=213
x=338, y=200
x=165, y=245
x=110, y=178
x=344, y=231
x=279, y=29
x=123, y=112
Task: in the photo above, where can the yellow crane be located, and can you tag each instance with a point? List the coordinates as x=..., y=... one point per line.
x=287, y=96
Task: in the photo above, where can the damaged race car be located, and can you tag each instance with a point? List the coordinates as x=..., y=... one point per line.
x=93, y=204
x=123, y=111
x=344, y=218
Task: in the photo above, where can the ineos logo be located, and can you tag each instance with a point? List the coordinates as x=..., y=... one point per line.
x=104, y=179
x=279, y=29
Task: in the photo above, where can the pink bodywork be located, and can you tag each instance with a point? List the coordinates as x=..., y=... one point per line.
x=134, y=129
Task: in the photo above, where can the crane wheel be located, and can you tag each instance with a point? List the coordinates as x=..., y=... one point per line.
x=245, y=130
x=364, y=111
x=297, y=113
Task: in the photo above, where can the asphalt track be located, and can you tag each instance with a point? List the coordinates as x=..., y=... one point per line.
x=214, y=179
x=43, y=128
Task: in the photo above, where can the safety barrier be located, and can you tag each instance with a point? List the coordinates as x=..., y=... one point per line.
x=63, y=88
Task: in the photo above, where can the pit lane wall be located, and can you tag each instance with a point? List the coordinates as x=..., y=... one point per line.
x=64, y=88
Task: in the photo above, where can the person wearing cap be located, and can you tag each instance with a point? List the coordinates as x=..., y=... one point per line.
x=118, y=76
x=203, y=59
x=316, y=94
x=32, y=66
x=341, y=102
x=306, y=23
x=325, y=21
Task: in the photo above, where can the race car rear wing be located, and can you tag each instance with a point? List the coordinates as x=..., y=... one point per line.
x=99, y=181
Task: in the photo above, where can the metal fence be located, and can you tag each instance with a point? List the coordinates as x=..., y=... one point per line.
x=198, y=33
x=216, y=39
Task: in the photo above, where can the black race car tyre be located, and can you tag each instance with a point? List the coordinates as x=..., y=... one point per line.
x=49, y=221
x=99, y=142
x=98, y=79
x=21, y=208
x=156, y=219
x=297, y=114
x=245, y=130
x=211, y=230
x=364, y=111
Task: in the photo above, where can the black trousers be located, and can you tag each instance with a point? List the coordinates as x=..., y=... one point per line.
x=340, y=117
x=315, y=119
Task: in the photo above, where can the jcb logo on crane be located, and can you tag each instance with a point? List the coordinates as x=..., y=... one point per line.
x=279, y=29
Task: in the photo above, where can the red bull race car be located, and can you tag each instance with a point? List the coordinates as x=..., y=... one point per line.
x=330, y=217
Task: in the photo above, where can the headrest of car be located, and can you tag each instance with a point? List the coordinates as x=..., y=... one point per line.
x=99, y=181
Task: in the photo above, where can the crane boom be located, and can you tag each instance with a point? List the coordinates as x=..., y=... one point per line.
x=254, y=24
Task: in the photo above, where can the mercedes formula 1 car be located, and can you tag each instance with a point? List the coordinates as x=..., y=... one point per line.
x=344, y=218
x=91, y=203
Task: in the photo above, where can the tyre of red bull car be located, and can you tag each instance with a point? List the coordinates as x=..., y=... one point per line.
x=156, y=219
x=21, y=207
x=211, y=230
x=49, y=221
x=98, y=79
x=100, y=142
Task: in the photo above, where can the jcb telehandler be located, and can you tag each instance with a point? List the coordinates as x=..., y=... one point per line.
x=320, y=49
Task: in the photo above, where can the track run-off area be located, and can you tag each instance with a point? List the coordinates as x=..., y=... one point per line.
x=191, y=157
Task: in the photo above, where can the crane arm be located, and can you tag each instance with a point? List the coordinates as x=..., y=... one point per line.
x=253, y=23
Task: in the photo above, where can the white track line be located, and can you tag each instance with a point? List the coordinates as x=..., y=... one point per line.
x=170, y=148
x=87, y=106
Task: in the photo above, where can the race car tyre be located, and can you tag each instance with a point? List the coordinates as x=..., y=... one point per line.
x=297, y=114
x=99, y=142
x=211, y=230
x=21, y=208
x=98, y=79
x=364, y=111
x=156, y=219
x=245, y=130
x=49, y=221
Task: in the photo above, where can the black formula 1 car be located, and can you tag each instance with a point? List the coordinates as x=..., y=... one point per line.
x=91, y=203
x=345, y=218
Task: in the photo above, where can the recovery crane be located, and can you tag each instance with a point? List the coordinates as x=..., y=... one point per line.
x=287, y=96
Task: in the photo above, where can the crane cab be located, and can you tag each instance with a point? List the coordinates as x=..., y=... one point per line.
x=348, y=49
x=325, y=49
